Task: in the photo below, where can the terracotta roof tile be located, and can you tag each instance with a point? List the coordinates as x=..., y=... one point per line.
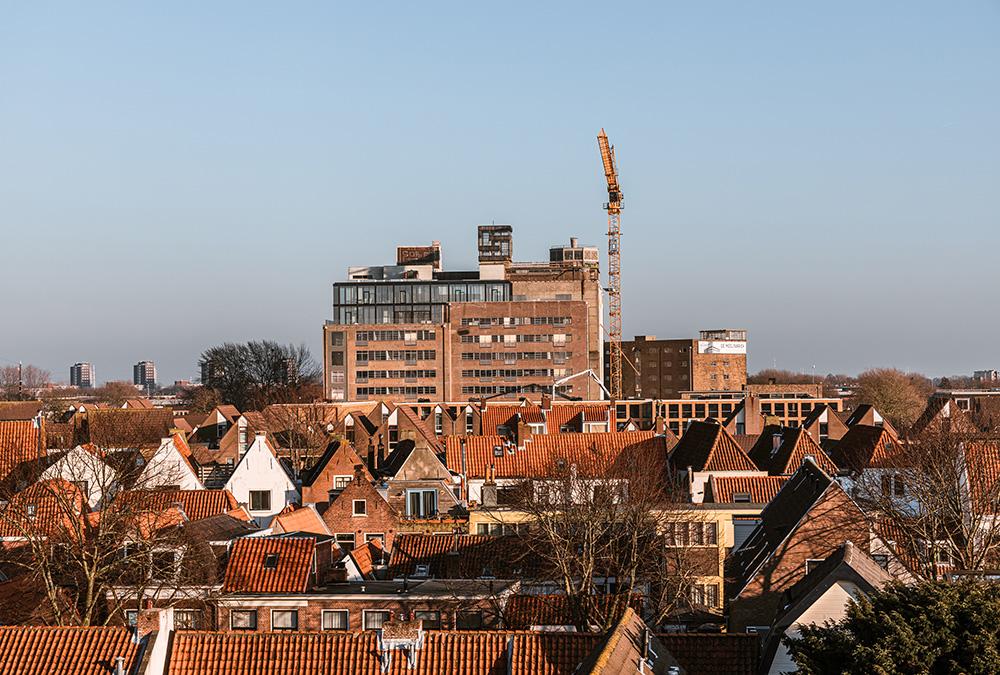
x=129, y=428
x=247, y=570
x=794, y=444
x=19, y=410
x=367, y=556
x=30, y=650
x=563, y=413
x=526, y=610
x=864, y=447
x=762, y=489
x=983, y=461
x=299, y=519
x=711, y=653
x=20, y=442
x=196, y=504
x=494, y=416
x=592, y=452
x=706, y=446
x=53, y=508
x=460, y=556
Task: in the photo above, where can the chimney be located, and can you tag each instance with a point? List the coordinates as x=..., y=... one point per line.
x=523, y=432
x=574, y=242
x=489, y=494
x=546, y=402
x=660, y=425
x=119, y=665
x=359, y=473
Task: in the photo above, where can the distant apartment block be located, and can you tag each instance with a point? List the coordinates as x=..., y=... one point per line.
x=414, y=331
x=144, y=374
x=715, y=362
x=82, y=375
x=986, y=376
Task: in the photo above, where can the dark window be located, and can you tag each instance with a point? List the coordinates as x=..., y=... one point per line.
x=432, y=620
x=271, y=561
x=469, y=620
x=260, y=500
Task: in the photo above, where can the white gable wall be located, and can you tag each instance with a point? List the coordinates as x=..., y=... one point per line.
x=261, y=470
x=830, y=605
x=167, y=467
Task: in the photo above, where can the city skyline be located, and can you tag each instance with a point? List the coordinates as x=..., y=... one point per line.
x=833, y=201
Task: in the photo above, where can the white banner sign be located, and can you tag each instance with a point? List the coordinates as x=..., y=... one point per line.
x=721, y=347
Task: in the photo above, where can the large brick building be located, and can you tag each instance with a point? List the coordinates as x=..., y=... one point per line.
x=414, y=331
x=716, y=361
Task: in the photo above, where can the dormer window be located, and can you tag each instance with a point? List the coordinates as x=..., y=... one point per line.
x=497, y=451
x=741, y=497
x=271, y=561
x=422, y=571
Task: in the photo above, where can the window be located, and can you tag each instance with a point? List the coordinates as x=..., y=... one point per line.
x=260, y=500
x=432, y=620
x=32, y=510
x=187, y=619
x=372, y=619
x=892, y=485
x=284, y=619
x=812, y=563
x=705, y=595
x=271, y=561
x=741, y=497
x=360, y=507
x=346, y=540
x=131, y=616
x=421, y=503
x=163, y=564
x=336, y=619
x=341, y=482
x=374, y=536
x=692, y=533
x=881, y=559
x=469, y=620
x=243, y=619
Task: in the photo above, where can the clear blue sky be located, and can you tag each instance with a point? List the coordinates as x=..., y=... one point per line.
x=826, y=175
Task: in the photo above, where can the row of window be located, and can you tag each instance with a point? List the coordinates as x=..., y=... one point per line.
x=699, y=410
x=362, y=375
x=397, y=355
x=396, y=391
x=415, y=292
x=513, y=338
x=504, y=389
x=691, y=533
x=517, y=321
x=520, y=356
x=340, y=619
x=393, y=335
x=389, y=314
x=509, y=372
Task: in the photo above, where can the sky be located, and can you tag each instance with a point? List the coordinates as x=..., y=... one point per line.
x=825, y=175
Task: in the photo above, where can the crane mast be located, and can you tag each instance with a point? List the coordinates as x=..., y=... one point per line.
x=614, y=209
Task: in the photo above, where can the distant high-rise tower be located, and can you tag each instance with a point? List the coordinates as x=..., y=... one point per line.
x=82, y=375
x=144, y=375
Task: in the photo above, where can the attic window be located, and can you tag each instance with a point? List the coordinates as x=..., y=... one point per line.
x=271, y=561
x=32, y=510
x=497, y=451
x=422, y=571
x=741, y=497
x=360, y=507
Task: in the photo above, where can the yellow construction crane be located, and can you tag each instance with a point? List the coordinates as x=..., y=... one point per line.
x=614, y=209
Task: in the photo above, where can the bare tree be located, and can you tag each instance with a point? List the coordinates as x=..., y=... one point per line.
x=897, y=395
x=20, y=382
x=73, y=533
x=936, y=498
x=613, y=532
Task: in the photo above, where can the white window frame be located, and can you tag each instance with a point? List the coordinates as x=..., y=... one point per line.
x=354, y=508
x=421, y=491
x=322, y=619
x=250, y=612
x=366, y=612
x=294, y=612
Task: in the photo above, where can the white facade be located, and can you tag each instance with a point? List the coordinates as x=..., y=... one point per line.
x=831, y=605
x=85, y=469
x=169, y=468
x=261, y=484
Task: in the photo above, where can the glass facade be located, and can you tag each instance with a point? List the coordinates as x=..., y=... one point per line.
x=409, y=301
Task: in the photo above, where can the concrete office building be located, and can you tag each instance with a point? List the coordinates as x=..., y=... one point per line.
x=414, y=331
x=144, y=374
x=82, y=375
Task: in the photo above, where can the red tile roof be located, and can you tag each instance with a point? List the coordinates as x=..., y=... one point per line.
x=864, y=447
x=461, y=556
x=706, y=446
x=494, y=415
x=299, y=519
x=367, y=556
x=129, y=428
x=762, y=489
x=20, y=442
x=983, y=462
x=31, y=650
x=246, y=573
x=350, y=653
x=794, y=444
x=592, y=452
x=196, y=504
x=564, y=413
x=57, y=507
x=524, y=611
x=19, y=410
x=711, y=653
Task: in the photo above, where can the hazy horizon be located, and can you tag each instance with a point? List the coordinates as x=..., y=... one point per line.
x=826, y=177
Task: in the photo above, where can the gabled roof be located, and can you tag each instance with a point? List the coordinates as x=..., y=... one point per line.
x=525, y=610
x=864, y=447
x=761, y=489
x=779, y=519
x=249, y=569
x=943, y=414
x=712, y=653
x=58, y=508
x=36, y=650
x=541, y=455
x=629, y=642
x=849, y=564
x=421, y=427
x=794, y=445
x=706, y=446
x=339, y=449
x=983, y=465
x=367, y=556
x=461, y=556
x=19, y=410
x=220, y=528
x=867, y=414
x=195, y=504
